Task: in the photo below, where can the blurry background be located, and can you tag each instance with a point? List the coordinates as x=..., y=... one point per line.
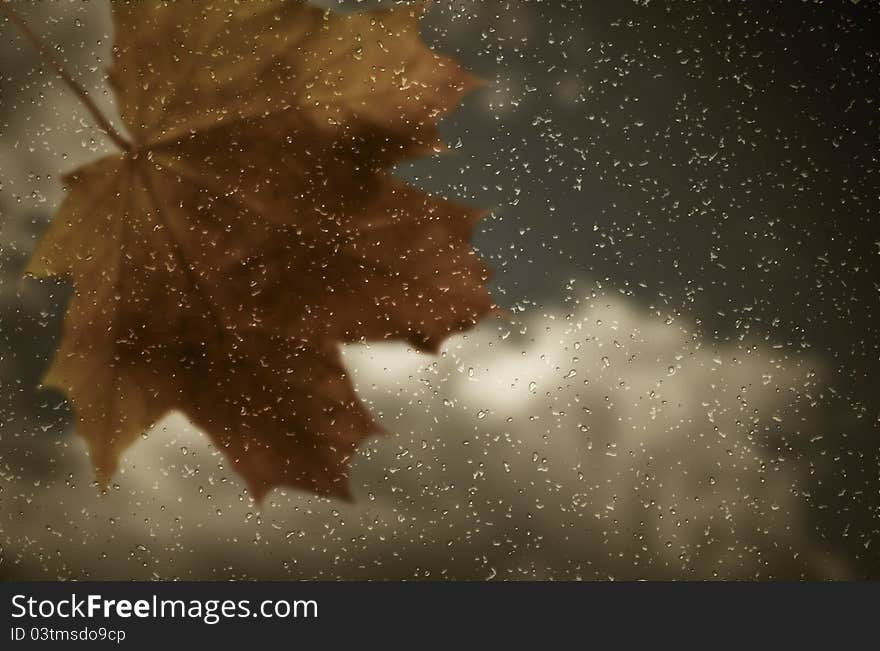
x=685, y=230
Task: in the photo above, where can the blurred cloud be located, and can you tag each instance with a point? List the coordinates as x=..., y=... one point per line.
x=591, y=441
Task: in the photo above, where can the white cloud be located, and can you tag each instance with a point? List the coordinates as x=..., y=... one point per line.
x=600, y=443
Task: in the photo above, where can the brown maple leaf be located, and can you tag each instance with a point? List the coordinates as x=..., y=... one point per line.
x=250, y=226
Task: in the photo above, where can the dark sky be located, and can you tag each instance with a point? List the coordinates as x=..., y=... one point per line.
x=717, y=158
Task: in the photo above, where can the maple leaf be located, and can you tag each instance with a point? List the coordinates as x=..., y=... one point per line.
x=250, y=226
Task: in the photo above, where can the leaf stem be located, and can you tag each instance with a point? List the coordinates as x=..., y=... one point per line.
x=49, y=57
